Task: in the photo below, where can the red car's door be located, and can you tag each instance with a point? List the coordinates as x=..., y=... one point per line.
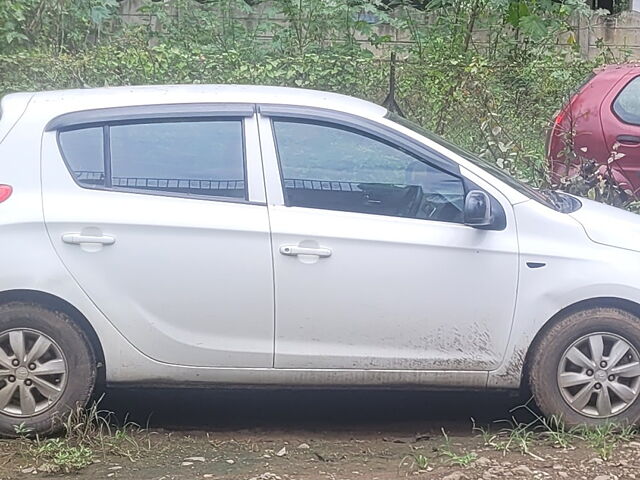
x=620, y=120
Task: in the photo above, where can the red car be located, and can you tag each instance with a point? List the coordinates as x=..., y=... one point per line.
x=601, y=122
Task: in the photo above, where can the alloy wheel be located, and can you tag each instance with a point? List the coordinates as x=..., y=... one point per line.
x=599, y=375
x=33, y=372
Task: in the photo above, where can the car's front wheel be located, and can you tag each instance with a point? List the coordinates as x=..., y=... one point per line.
x=586, y=368
x=47, y=368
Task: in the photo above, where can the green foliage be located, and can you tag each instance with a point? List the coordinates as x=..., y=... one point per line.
x=486, y=74
x=453, y=457
x=55, y=24
x=63, y=455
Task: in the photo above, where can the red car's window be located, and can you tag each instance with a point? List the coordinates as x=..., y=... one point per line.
x=627, y=104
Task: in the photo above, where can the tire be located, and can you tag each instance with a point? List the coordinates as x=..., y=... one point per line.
x=56, y=353
x=552, y=370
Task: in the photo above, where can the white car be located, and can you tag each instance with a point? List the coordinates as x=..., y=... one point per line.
x=241, y=235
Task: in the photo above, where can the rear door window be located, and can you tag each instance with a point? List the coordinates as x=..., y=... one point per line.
x=627, y=105
x=198, y=158
x=189, y=157
x=83, y=149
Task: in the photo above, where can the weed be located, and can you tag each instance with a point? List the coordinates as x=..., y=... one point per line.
x=87, y=433
x=421, y=461
x=22, y=430
x=98, y=430
x=454, y=458
x=64, y=456
x=605, y=438
x=416, y=460
x=519, y=436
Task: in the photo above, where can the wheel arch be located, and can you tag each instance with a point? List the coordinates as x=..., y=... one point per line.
x=612, y=302
x=56, y=303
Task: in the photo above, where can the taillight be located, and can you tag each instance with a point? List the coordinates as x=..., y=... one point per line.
x=555, y=133
x=5, y=192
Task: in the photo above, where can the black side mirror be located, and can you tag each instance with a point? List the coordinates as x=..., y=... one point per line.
x=477, y=209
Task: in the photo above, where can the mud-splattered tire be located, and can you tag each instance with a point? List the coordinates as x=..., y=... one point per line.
x=586, y=368
x=47, y=369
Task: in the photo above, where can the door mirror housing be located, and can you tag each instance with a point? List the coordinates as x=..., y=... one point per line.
x=477, y=209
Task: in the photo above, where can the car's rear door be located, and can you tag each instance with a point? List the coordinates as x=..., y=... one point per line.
x=159, y=214
x=620, y=119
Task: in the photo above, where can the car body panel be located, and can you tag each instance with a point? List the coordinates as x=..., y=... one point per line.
x=625, y=156
x=580, y=263
x=604, y=225
x=387, y=297
x=558, y=241
x=588, y=127
x=179, y=267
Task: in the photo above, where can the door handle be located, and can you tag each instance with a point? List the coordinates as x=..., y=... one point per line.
x=628, y=139
x=295, y=250
x=78, y=239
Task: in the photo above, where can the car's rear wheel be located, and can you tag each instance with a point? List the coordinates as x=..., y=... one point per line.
x=586, y=368
x=47, y=369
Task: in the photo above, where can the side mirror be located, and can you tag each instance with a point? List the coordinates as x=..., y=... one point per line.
x=477, y=209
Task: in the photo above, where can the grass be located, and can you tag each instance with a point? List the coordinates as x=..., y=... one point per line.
x=59, y=455
x=518, y=436
x=87, y=434
x=422, y=461
x=605, y=438
x=455, y=458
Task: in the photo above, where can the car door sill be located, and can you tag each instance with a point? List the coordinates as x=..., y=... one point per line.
x=166, y=375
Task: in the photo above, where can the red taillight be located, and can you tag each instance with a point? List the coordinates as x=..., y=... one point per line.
x=5, y=192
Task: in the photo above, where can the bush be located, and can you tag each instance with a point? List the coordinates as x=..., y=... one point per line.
x=494, y=94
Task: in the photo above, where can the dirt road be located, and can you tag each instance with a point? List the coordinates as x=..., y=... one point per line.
x=309, y=435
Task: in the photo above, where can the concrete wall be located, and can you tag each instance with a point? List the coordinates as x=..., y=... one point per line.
x=620, y=34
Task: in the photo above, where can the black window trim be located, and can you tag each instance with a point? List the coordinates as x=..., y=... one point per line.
x=217, y=114
x=319, y=120
x=615, y=100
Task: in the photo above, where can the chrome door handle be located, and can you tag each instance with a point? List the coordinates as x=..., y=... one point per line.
x=295, y=250
x=78, y=239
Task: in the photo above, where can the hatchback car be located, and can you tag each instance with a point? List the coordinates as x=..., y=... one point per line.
x=601, y=122
x=239, y=235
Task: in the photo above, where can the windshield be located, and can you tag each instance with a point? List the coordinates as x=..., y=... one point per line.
x=542, y=196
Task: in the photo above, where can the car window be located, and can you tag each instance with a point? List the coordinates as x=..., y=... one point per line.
x=83, y=150
x=535, y=194
x=195, y=157
x=627, y=104
x=334, y=168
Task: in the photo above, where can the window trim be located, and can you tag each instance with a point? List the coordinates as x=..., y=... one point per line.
x=106, y=139
x=98, y=117
x=359, y=124
x=354, y=128
x=615, y=100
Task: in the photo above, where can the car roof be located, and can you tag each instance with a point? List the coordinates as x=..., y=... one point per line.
x=93, y=98
x=619, y=66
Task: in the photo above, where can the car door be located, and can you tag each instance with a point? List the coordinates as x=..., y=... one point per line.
x=159, y=214
x=620, y=118
x=374, y=267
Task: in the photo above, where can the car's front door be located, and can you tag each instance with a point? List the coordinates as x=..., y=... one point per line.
x=374, y=267
x=163, y=223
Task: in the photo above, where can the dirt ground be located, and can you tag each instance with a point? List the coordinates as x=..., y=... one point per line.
x=309, y=435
